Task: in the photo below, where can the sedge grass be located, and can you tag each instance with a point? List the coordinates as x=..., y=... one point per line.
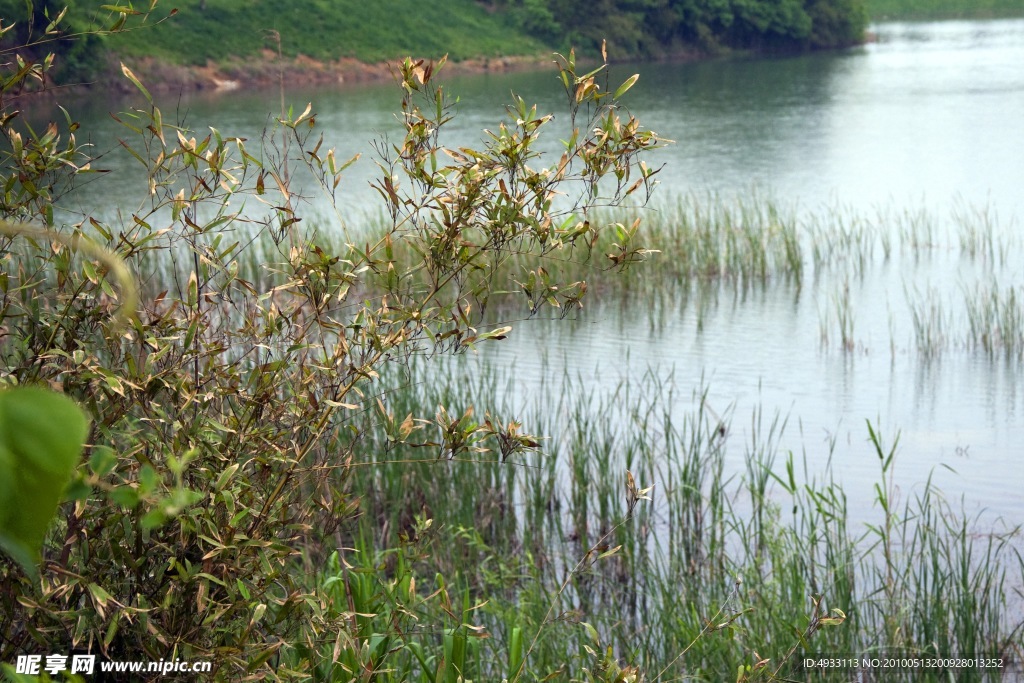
x=722, y=568
x=701, y=248
x=931, y=322
x=996, y=319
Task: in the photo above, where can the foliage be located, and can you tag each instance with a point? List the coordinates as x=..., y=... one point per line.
x=218, y=468
x=723, y=572
x=269, y=483
x=41, y=439
x=836, y=22
x=42, y=435
x=653, y=27
x=42, y=27
x=221, y=30
x=536, y=18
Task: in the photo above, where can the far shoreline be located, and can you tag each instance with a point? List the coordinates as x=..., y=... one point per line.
x=269, y=70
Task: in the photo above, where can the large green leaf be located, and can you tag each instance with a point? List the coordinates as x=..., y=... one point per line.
x=41, y=439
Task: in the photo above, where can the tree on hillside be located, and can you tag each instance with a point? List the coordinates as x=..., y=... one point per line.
x=646, y=27
x=536, y=18
x=836, y=23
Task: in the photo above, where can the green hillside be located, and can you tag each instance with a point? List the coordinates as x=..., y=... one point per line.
x=372, y=32
x=327, y=29
x=228, y=31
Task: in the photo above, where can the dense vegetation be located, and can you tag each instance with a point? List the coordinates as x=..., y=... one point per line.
x=282, y=477
x=387, y=29
x=27, y=26
x=218, y=31
x=328, y=29
x=221, y=30
x=226, y=414
x=658, y=27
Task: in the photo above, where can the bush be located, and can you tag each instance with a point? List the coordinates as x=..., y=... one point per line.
x=837, y=24
x=216, y=476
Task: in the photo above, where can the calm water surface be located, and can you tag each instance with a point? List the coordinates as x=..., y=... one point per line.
x=930, y=117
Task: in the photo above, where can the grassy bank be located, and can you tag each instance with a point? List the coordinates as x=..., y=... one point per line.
x=222, y=36
x=882, y=10
x=219, y=30
x=216, y=30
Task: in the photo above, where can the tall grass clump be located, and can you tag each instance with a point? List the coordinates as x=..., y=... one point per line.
x=978, y=235
x=995, y=317
x=842, y=236
x=842, y=245
x=747, y=239
x=700, y=249
x=572, y=552
x=941, y=576
x=931, y=322
x=694, y=238
x=837, y=313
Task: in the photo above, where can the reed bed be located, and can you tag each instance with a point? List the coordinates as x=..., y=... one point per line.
x=931, y=322
x=691, y=238
x=996, y=319
x=542, y=565
x=724, y=570
x=989, y=320
x=703, y=247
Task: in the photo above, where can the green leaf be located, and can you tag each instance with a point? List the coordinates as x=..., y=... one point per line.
x=592, y=634
x=99, y=594
x=148, y=479
x=125, y=496
x=41, y=438
x=499, y=333
x=515, y=652
x=629, y=83
x=225, y=477
x=102, y=460
x=131, y=77
x=153, y=519
x=190, y=333
x=77, y=490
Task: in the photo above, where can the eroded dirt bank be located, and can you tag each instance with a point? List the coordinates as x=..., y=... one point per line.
x=269, y=70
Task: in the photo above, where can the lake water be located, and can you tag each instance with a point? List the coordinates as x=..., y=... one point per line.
x=929, y=118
